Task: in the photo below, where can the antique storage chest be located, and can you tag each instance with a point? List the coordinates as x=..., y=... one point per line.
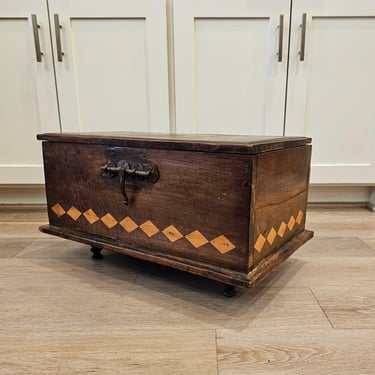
x=230, y=208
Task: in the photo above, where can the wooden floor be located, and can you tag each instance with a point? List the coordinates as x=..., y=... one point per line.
x=63, y=313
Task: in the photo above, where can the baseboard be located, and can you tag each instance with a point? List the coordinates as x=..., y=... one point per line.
x=334, y=205
x=22, y=194
x=339, y=194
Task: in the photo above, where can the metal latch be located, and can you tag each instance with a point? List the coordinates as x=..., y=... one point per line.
x=127, y=169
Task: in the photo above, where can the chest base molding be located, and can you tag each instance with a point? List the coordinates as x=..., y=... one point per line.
x=227, y=276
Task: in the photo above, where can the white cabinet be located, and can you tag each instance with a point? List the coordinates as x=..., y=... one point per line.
x=108, y=69
x=331, y=93
x=229, y=77
x=27, y=96
x=111, y=64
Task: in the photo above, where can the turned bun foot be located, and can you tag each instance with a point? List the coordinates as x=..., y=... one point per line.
x=229, y=290
x=96, y=253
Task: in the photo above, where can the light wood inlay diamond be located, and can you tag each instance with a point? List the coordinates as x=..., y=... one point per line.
x=129, y=224
x=260, y=243
x=196, y=238
x=271, y=236
x=222, y=244
x=91, y=216
x=291, y=222
x=149, y=228
x=74, y=213
x=282, y=229
x=172, y=233
x=109, y=220
x=299, y=217
x=58, y=210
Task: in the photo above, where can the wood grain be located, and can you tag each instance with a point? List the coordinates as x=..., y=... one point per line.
x=61, y=312
x=344, y=223
x=348, y=307
x=308, y=271
x=224, y=212
x=132, y=351
x=337, y=247
x=232, y=144
x=275, y=351
x=21, y=230
x=370, y=242
x=10, y=247
x=189, y=198
x=278, y=197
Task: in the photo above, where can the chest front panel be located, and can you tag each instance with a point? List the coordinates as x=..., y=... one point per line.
x=198, y=209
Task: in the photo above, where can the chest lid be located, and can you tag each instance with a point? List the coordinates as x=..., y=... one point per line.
x=231, y=144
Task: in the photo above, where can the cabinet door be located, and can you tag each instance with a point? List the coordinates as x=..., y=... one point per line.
x=112, y=74
x=331, y=91
x=28, y=94
x=230, y=77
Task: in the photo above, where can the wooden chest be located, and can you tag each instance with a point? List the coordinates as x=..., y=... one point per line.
x=230, y=208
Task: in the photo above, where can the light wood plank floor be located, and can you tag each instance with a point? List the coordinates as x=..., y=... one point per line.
x=63, y=313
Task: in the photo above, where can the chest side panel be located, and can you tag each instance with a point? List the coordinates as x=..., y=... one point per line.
x=198, y=209
x=279, y=199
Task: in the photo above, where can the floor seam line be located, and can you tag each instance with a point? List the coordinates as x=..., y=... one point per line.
x=324, y=312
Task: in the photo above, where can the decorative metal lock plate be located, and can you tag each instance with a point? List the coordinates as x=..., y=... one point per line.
x=125, y=169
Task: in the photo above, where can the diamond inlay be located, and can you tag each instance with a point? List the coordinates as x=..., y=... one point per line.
x=74, y=213
x=58, y=210
x=172, y=233
x=90, y=216
x=299, y=217
x=271, y=236
x=291, y=222
x=196, y=238
x=282, y=229
x=260, y=243
x=128, y=224
x=109, y=220
x=222, y=244
x=149, y=228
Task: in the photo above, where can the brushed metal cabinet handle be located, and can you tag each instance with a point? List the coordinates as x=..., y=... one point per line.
x=281, y=37
x=38, y=52
x=58, y=27
x=303, y=38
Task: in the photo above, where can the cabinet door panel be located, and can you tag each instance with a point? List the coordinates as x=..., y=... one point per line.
x=113, y=74
x=228, y=77
x=331, y=93
x=27, y=96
